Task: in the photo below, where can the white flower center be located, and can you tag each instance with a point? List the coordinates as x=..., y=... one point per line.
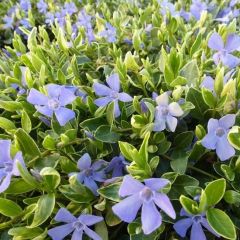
x=114, y=94
x=220, y=132
x=146, y=194
x=53, y=104
x=78, y=226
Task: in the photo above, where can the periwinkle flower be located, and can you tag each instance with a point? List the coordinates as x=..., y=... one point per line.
x=208, y=81
x=25, y=5
x=55, y=101
x=229, y=13
x=216, y=137
x=77, y=225
x=197, y=7
x=117, y=166
x=167, y=6
x=90, y=173
x=70, y=8
x=8, y=166
x=111, y=93
x=109, y=33
x=42, y=6
x=60, y=16
x=224, y=51
x=49, y=18
x=196, y=223
x=165, y=114
x=8, y=22
x=145, y=196
x=77, y=92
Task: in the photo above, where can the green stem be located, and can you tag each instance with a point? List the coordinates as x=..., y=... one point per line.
x=11, y=222
x=192, y=168
x=202, y=172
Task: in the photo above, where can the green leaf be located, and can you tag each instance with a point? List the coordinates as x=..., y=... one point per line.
x=19, y=186
x=7, y=124
x=105, y=134
x=110, y=192
x=189, y=205
x=92, y=124
x=45, y=206
x=101, y=230
x=191, y=72
x=183, y=140
x=51, y=177
x=10, y=106
x=26, y=122
x=25, y=232
x=143, y=151
x=9, y=208
x=195, y=97
x=208, y=98
x=221, y=223
x=232, y=197
x=127, y=150
x=179, y=162
x=27, y=144
x=215, y=191
x=234, y=137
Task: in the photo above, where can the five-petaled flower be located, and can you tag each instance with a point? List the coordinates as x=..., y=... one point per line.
x=8, y=166
x=90, y=173
x=216, y=137
x=195, y=222
x=223, y=50
x=109, y=33
x=165, y=114
x=56, y=100
x=111, y=93
x=146, y=196
x=117, y=166
x=78, y=226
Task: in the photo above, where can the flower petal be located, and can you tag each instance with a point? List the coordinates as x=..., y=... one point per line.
x=232, y=43
x=91, y=184
x=84, y=162
x=18, y=157
x=162, y=99
x=208, y=83
x=63, y=215
x=182, y=226
x=230, y=60
x=209, y=141
x=156, y=183
x=175, y=110
x=77, y=235
x=89, y=220
x=101, y=90
x=171, y=123
x=130, y=186
x=213, y=124
x=114, y=82
x=5, y=182
x=101, y=102
x=223, y=149
x=5, y=146
x=37, y=98
x=92, y=234
x=217, y=57
x=117, y=111
x=124, y=97
x=150, y=217
x=66, y=97
x=227, y=121
x=54, y=90
x=197, y=232
x=215, y=42
x=64, y=115
x=44, y=110
x=128, y=208
x=60, y=232
x=164, y=203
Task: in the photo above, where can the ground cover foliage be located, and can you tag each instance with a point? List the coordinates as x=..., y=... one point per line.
x=119, y=120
